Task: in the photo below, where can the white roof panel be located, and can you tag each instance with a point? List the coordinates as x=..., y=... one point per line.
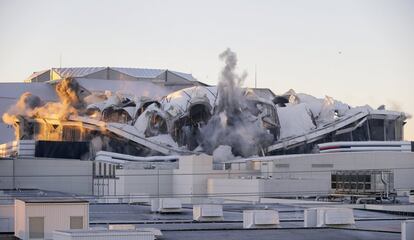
x=77, y=71
x=138, y=88
x=187, y=76
x=151, y=73
x=80, y=72
x=139, y=72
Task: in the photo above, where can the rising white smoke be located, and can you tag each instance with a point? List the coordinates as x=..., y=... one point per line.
x=25, y=106
x=232, y=124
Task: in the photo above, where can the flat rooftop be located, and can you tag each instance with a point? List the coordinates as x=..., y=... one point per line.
x=272, y=234
x=370, y=225
x=374, y=225
x=7, y=196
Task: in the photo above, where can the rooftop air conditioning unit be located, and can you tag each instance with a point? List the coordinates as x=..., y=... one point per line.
x=407, y=230
x=138, y=198
x=208, y=212
x=261, y=219
x=411, y=196
x=323, y=217
x=165, y=205
x=157, y=233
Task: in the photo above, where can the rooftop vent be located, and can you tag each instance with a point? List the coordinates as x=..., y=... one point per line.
x=208, y=212
x=323, y=217
x=261, y=219
x=165, y=205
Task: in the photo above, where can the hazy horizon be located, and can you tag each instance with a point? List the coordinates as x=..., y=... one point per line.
x=358, y=52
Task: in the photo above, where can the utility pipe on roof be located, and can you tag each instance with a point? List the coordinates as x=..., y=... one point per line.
x=386, y=185
x=120, y=156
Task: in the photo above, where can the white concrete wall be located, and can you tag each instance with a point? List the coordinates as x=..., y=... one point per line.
x=144, y=182
x=253, y=189
x=300, y=166
x=188, y=182
x=236, y=189
x=71, y=176
x=294, y=187
x=6, y=174
x=20, y=219
x=294, y=175
x=191, y=177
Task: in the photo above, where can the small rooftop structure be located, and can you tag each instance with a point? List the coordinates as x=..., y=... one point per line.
x=407, y=230
x=37, y=218
x=208, y=212
x=261, y=219
x=166, y=205
x=322, y=217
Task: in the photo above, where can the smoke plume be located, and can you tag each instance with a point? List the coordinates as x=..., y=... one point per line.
x=31, y=106
x=67, y=91
x=24, y=107
x=231, y=123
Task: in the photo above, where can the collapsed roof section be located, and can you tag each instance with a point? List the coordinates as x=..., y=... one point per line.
x=145, y=115
x=307, y=121
x=139, y=125
x=125, y=123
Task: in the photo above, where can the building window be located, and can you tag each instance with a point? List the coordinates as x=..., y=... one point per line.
x=100, y=170
x=36, y=227
x=377, y=129
x=94, y=169
x=390, y=130
x=76, y=222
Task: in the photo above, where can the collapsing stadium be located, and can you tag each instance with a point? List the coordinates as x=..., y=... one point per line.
x=242, y=122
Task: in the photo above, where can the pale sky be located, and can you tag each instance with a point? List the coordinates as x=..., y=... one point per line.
x=359, y=52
